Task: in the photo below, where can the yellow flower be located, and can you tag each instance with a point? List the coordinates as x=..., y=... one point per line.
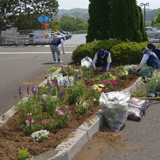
x=101, y=85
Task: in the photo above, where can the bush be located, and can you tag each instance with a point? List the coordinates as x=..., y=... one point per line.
x=121, y=52
x=127, y=53
x=91, y=48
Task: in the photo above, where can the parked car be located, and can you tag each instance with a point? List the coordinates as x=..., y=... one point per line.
x=31, y=38
x=70, y=35
x=64, y=33
x=60, y=34
x=152, y=33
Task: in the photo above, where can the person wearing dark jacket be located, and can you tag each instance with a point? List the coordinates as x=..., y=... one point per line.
x=152, y=61
x=154, y=49
x=102, y=58
x=54, y=48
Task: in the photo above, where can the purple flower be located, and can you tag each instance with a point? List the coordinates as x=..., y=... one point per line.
x=62, y=93
x=28, y=91
x=58, y=88
x=49, y=89
x=39, y=92
x=20, y=93
x=110, y=67
x=32, y=89
x=48, y=82
x=78, y=98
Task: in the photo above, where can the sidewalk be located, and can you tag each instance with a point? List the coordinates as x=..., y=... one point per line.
x=137, y=141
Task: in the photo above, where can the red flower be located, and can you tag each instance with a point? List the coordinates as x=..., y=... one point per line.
x=113, y=73
x=106, y=71
x=99, y=87
x=64, y=86
x=26, y=95
x=95, y=71
x=104, y=91
x=51, y=80
x=104, y=87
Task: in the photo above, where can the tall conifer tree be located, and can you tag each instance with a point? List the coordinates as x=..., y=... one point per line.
x=98, y=23
x=118, y=19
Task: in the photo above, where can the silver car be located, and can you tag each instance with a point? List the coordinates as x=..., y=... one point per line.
x=152, y=33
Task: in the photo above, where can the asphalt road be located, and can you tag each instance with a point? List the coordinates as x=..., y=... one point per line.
x=21, y=65
x=140, y=140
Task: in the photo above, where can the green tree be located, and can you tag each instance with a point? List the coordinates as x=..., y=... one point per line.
x=98, y=23
x=118, y=19
x=142, y=29
x=24, y=13
x=54, y=24
x=81, y=25
x=133, y=18
x=8, y=10
x=68, y=23
x=158, y=18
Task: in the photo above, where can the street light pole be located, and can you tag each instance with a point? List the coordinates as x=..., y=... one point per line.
x=144, y=4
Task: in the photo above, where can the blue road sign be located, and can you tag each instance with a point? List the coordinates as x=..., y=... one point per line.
x=40, y=19
x=46, y=19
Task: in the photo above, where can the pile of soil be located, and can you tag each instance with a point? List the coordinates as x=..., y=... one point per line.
x=11, y=138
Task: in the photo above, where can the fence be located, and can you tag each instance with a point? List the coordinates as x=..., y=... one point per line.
x=20, y=37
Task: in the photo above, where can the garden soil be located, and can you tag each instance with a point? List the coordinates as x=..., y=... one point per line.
x=12, y=138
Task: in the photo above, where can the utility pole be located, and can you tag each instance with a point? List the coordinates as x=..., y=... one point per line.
x=144, y=4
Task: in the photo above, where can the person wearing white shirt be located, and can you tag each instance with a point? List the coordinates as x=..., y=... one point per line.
x=102, y=58
x=152, y=61
x=54, y=48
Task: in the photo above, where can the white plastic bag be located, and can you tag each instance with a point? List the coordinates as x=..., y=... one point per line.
x=86, y=61
x=115, y=108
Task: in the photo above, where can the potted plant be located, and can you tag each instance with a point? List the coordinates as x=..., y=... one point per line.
x=157, y=79
x=151, y=88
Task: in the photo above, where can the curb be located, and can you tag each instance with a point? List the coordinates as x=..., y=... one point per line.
x=67, y=149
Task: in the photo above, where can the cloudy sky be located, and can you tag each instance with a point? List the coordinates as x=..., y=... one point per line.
x=69, y=4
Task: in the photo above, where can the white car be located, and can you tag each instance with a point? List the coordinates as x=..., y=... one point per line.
x=152, y=33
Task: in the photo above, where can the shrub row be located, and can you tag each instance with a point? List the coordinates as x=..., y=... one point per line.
x=121, y=52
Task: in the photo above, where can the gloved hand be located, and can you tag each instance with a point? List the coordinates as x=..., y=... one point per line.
x=138, y=70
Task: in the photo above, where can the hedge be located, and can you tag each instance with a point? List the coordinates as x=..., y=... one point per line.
x=121, y=52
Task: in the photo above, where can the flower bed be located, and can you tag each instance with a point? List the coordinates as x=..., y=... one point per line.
x=58, y=107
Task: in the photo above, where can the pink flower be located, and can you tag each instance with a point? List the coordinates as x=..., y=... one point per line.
x=60, y=112
x=84, y=98
x=69, y=66
x=112, y=81
x=89, y=100
x=44, y=122
x=29, y=114
x=26, y=95
x=57, y=109
x=27, y=122
x=32, y=120
x=66, y=106
x=69, y=112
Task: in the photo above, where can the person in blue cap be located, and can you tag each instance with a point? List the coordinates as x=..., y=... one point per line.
x=154, y=49
x=102, y=58
x=152, y=61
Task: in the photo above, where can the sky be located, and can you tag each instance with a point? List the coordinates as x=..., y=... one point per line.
x=69, y=4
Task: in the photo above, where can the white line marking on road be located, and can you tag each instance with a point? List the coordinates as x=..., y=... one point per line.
x=28, y=52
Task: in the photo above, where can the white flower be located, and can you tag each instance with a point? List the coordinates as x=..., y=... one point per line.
x=37, y=136
x=94, y=99
x=84, y=104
